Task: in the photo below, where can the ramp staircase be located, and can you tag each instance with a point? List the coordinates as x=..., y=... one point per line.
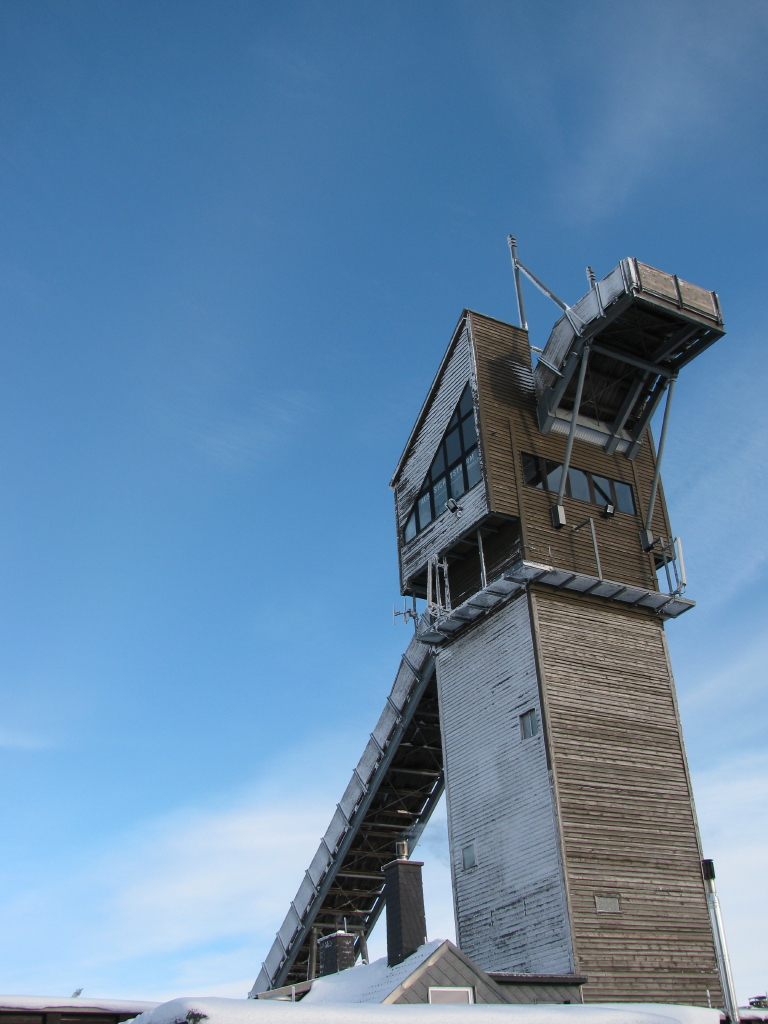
x=391, y=795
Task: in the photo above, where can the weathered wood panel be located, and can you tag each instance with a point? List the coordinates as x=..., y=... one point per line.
x=511, y=907
x=626, y=807
x=504, y=383
x=507, y=410
x=451, y=969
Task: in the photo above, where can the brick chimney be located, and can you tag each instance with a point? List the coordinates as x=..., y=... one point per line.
x=404, y=896
x=336, y=952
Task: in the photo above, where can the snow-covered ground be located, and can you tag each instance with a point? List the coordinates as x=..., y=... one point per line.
x=270, y=1011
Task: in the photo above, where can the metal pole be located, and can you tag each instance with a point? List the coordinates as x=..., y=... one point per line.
x=483, y=578
x=594, y=545
x=518, y=282
x=681, y=561
x=558, y=512
x=721, y=949
x=648, y=538
x=312, y=972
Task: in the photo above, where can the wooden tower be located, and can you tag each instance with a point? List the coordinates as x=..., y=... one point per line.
x=530, y=515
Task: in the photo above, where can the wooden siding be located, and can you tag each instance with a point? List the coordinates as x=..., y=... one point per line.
x=446, y=528
x=448, y=967
x=510, y=908
x=507, y=414
x=626, y=807
x=500, y=543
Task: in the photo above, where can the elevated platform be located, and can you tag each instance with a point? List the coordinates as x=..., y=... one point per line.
x=523, y=573
x=641, y=326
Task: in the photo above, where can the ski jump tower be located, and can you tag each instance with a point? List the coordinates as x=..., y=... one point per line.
x=538, y=689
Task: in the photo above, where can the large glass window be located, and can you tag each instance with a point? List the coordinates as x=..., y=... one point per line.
x=585, y=486
x=455, y=468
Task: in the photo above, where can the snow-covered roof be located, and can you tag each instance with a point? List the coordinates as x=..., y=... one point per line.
x=370, y=983
x=272, y=1011
x=46, y=1003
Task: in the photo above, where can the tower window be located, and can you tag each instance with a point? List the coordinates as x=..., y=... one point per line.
x=529, y=724
x=468, y=859
x=581, y=484
x=454, y=470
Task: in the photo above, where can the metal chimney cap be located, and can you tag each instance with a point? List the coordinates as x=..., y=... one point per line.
x=708, y=868
x=401, y=849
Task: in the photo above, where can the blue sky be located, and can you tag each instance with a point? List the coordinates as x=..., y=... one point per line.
x=235, y=238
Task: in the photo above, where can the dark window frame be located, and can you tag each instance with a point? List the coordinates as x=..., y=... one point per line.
x=536, y=467
x=413, y=526
x=529, y=724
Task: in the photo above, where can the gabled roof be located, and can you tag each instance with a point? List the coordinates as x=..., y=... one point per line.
x=435, y=384
x=370, y=983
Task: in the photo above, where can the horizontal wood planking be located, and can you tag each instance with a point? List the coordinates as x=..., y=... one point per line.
x=451, y=970
x=627, y=816
x=506, y=393
x=510, y=908
x=504, y=383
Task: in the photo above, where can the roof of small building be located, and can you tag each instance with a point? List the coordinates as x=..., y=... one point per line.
x=369, y=983
x=269, y=1011
x=48, y=1004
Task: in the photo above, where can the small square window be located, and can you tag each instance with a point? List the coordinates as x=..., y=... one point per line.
x=457, y=481
x=529, y=724
x=425, y=510
x=602, y=490
x=410, y=528
x=607, y=905
x=468, y=859
x=469, y=433
x=451, y=994
x=473, y=468
x=440, y=494
x=452, y=446
x=624, y=497
x=579, y=482
x=531, y=470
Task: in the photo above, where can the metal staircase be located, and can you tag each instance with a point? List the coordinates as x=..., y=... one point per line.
x=391, y=795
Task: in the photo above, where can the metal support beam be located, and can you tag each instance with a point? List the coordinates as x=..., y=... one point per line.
x=518, y=283
x=312, y=969
x=651, y=406
x=624, y=357
x=558, y=512
x=721, y=949
x=541, y=286
x=647, y=532
x=635, y=387
x=678, y=338
x=483, y=580
x=548, y=406
x=591, y=522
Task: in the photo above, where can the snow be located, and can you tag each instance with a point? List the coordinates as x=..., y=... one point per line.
x=272, y=1011
x=371, y=983
x=43, y=1003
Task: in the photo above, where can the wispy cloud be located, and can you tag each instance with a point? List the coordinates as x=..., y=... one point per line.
x=610, y=100
x=189, y=903
x=238, y=442
x=10, y=739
